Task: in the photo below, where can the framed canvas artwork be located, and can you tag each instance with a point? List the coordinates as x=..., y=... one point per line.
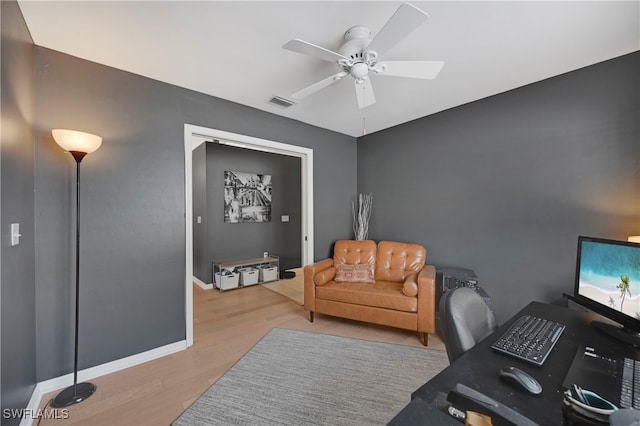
x=247, y=197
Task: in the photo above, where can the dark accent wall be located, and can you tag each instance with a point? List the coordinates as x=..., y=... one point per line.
x=234, y=241
x=505, y=185
x=133, y=215
x=18, y=308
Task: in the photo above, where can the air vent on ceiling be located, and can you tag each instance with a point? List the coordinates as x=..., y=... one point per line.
x=281, y=102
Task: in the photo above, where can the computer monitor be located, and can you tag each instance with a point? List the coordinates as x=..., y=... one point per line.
x=608, y=283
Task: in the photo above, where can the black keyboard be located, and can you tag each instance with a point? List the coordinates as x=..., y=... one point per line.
x=530, y=339
x=630, y=384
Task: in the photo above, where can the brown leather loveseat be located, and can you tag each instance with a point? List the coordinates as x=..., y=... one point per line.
x=386, y=284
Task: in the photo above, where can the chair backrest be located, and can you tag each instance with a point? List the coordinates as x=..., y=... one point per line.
x=395, y=261
x=465, y=320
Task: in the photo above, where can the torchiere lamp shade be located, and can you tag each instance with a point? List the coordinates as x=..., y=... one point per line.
x=75, y=141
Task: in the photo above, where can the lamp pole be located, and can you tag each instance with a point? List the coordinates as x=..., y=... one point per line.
x=78, y=156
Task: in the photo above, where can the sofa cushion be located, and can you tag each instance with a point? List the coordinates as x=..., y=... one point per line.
x=395, y=261
x=362, y=273
x=350, y=252
x=382, y=294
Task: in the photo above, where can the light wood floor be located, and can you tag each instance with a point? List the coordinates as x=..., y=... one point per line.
x=226, y=326
x=293, y=288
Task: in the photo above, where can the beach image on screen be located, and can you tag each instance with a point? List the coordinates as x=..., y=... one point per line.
x=610, y=275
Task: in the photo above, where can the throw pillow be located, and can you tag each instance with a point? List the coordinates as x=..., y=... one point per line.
x=362, y=273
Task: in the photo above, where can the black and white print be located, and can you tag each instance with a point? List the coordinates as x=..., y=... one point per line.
x=247, y=197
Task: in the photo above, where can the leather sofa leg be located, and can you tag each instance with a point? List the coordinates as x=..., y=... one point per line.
x=311, y=316
x=425, y=339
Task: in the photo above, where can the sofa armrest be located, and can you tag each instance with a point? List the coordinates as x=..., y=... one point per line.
x=427, y=299
x=310, y=272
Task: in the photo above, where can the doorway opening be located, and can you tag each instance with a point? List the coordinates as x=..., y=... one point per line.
x=196, y=135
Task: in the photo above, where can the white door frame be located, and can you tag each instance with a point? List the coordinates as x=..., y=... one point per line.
x=193, y=137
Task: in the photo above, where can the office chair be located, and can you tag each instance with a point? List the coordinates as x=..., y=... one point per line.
x=465, y=320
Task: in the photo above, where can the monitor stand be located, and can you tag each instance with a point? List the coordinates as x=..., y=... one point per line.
x=629, y=337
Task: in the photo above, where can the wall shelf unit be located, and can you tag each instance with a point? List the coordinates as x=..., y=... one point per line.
x=246, y=272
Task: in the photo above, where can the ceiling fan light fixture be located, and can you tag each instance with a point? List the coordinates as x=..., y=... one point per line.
x=359, y=70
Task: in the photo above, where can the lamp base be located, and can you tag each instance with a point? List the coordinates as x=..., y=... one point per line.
x=73, y=395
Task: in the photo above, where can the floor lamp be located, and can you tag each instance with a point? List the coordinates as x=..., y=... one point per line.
x=77, y=144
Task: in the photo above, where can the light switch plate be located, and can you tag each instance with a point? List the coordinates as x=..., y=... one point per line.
x=285, y=218
x=15, y=234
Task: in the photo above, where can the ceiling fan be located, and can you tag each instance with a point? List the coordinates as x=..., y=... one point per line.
x=360, y=55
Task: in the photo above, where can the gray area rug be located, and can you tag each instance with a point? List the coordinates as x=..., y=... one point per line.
x=298, y=378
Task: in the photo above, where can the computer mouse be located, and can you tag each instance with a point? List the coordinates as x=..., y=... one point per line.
x=520, y=379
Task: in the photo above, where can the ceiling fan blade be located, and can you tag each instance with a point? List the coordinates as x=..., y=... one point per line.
x=306, y=48
x=404, y=21
x=364, y=93
x=317, y=86
x=412, y=69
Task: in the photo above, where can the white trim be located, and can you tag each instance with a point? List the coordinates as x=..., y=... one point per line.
x=97, y=371
x=201, y=134
x=194, y=136
x=188, y=199
x=202, y=284
x=113, y=366
x=32, y=406
x=307, y=209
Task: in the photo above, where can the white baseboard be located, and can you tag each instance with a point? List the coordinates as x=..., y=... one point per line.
x=61, y=382
x=32, y=407
x=202, y=285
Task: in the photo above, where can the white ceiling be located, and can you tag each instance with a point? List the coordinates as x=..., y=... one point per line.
x=233, y=50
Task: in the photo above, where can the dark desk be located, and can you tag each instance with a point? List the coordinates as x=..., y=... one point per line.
x=478, y=368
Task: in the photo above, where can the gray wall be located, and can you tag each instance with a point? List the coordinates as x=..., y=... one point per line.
x=132, y=273
x=505, y=185
x=18, y=311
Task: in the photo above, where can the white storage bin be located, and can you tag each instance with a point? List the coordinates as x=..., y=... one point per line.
x=226, y=282
x=248, y=276
x=268, y=273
